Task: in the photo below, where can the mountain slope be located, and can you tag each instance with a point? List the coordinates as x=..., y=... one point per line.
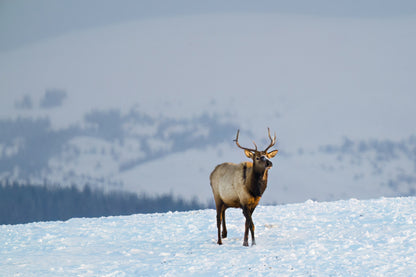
x=354, y=238
x=153, y=105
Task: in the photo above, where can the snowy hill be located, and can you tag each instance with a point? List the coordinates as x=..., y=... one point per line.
x=343, y=238
x=153, y=105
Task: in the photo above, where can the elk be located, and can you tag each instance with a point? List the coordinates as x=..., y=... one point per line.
x=241, y=186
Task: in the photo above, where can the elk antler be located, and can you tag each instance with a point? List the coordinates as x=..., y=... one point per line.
x=244, y=148
x=272, y=140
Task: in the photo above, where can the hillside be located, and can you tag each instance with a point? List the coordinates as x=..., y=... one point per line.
x=153, y=105
x=343, y=238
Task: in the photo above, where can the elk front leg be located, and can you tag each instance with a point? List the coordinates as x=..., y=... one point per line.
x=249, y=226
x=245, y=243
x=253, y=240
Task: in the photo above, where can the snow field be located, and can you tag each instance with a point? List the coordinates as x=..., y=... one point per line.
x=343, y=238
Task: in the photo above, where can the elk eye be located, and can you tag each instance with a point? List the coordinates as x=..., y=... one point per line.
x=257, y=158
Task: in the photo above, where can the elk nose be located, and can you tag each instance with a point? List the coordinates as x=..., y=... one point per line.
x=269, y=163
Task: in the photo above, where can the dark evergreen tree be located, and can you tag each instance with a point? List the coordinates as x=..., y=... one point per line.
x=31, y=203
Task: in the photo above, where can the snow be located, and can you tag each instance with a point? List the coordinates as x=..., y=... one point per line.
x=343, y=238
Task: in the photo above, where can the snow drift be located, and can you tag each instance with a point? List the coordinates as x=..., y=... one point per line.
x=343, y=238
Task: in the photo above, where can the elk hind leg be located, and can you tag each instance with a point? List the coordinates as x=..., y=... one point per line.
x=220, y=208
x=224, y=227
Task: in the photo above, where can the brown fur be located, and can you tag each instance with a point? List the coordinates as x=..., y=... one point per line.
x=240, y=186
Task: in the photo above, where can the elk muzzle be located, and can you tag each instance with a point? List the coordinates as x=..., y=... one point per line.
x=267, y=161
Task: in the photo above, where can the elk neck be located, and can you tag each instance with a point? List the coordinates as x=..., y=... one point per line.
x=255, y=179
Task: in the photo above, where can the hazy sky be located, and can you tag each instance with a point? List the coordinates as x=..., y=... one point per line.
x=27, y=21
x=322, y=72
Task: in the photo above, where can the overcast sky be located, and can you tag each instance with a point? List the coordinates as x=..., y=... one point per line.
x=27, y=21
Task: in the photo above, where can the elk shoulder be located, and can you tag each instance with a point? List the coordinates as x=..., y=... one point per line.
x=229, y=181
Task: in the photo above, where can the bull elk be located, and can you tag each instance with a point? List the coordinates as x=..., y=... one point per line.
x=241, y=186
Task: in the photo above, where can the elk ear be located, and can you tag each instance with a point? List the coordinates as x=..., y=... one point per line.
x=249, y=154
x=272, y=154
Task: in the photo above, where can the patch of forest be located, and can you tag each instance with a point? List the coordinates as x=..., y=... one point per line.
x=23, y=203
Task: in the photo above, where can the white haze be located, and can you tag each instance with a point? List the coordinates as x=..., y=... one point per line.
x=313, y=79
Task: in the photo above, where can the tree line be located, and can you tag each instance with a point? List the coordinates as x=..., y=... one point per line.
x=23, y=203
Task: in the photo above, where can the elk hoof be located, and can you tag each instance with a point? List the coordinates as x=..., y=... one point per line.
x=245, y=243
x=219, y=242
x=224, y=235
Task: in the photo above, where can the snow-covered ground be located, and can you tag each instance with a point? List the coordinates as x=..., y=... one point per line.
x=343, y=238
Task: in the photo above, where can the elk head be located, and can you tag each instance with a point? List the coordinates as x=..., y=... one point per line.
x=260, y=158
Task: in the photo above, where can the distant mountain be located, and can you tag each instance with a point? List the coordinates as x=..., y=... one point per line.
x=108, y=144
x=154, y=105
